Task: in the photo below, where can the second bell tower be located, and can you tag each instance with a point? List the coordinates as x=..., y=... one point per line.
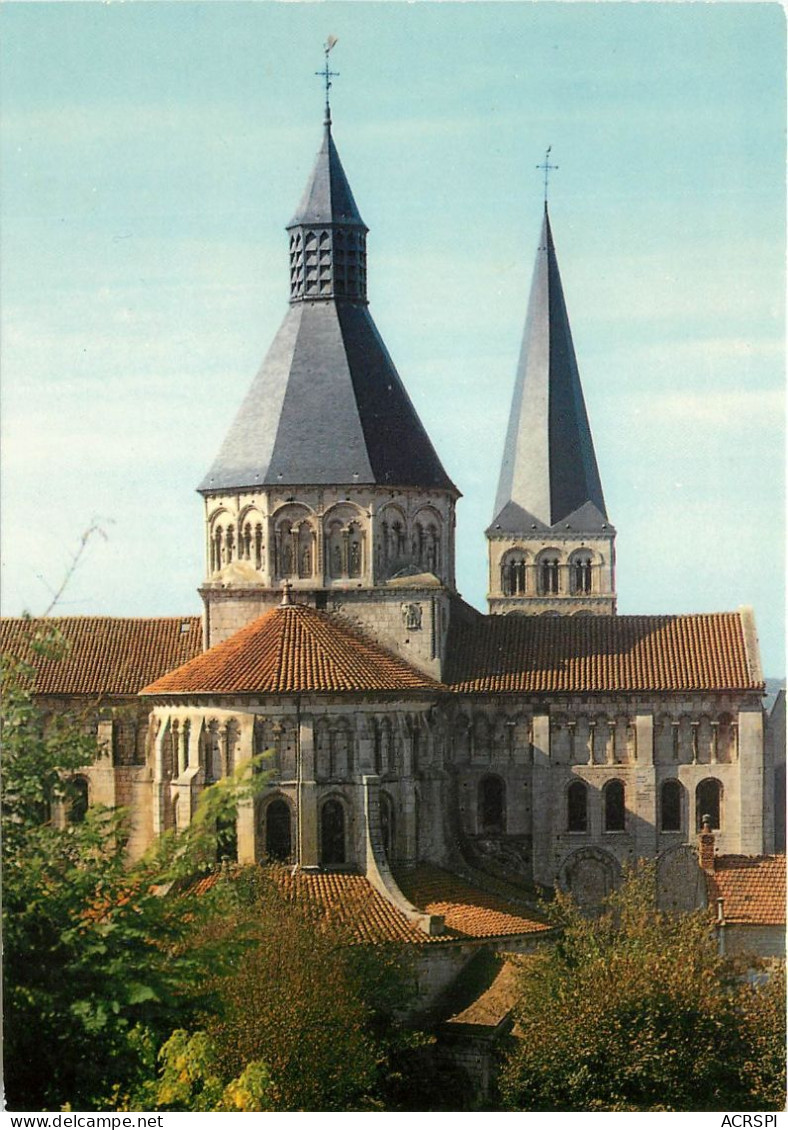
x=551, y=544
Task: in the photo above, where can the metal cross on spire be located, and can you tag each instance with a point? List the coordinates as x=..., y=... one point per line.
x=327, y=74
x=547, y=167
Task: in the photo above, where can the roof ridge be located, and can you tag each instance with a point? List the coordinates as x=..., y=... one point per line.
x=95, y=617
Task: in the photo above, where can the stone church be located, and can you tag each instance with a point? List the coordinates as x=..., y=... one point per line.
x=549, y=741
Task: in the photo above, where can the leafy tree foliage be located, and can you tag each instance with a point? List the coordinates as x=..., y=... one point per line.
x=125, y=988
x=635, y=1011
x=305, y=1021
x=98, y=967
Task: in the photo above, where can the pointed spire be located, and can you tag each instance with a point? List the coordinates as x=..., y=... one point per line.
x=549, y=471
x=328, y=405
x=327, y=198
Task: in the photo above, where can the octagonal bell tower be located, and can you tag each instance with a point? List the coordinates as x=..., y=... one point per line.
x=327, y=480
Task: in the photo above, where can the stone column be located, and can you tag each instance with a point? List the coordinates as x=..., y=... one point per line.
x=750, y=775
x=646, y=834
x=542, y=801
x=644, y=738
x=306, y=796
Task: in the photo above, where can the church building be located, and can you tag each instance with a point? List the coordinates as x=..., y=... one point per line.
x=547, y=742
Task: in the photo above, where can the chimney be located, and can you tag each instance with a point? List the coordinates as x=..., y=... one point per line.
x=706, y=845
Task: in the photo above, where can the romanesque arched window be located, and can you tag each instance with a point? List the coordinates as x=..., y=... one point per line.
x=513, y=574
x=580, y=572
x=491, y=816
x=708, y=803
x=217, y=546
x=332, y=833
x=226, y=838
x=670, y=806
x=78, y=799
x=278, y=836
x=577, y=807
x=615, y=807
x=548, y=574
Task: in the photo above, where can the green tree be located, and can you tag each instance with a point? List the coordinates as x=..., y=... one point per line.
x=634, y=1010
x=305, y=1021
x=99, y=969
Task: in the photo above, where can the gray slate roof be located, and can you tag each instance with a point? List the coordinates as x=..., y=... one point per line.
x=327, y=197
x=549, y=470
x=327, y=406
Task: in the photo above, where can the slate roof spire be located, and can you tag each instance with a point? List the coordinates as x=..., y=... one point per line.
x=327, y=406
x=549, y=471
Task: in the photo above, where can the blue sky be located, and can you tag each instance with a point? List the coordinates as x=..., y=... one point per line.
x=152, y=153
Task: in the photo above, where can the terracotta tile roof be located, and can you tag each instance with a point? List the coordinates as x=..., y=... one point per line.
x=104, y=655
x=348, y=901
x=494, y=1003
x=468, y=912
x=536, y=654
x=753, y=888
x=294, y=649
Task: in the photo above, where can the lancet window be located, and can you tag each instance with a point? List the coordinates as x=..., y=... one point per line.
x=708, y=797
x=615, y=810
x=513, y=574
x=78, y=799
x=581, y=573
x=295, y=549
x=332, y=832
x=670, y=803
x=278, y=831
x=548, y=575
x=492, y=805
x=577, y=807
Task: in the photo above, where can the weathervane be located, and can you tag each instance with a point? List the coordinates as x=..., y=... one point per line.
x=547, y=168
x=327, y=74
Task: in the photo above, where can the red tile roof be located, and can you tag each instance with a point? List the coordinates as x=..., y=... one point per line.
x=495, y=1002
x=294, y=649
x=351, y=902
x=103, y=655
x=752, y=887
x=467, y=911
x=538, y=654
x=347, y=901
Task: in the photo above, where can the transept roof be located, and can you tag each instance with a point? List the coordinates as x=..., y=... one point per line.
x=549, y=471
x=101, y=655
x=536, y=654
x=294, y=649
